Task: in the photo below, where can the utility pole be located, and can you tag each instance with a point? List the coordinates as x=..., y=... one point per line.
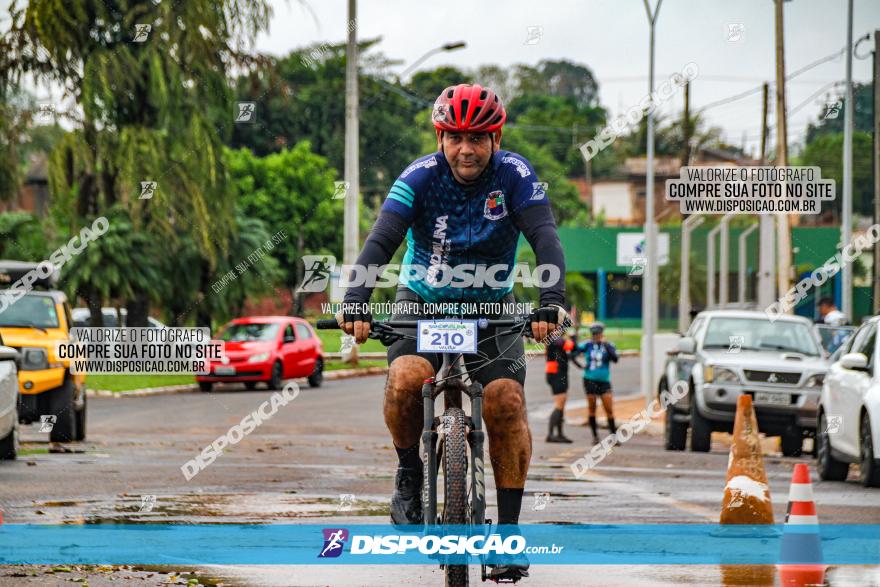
x=767, y=229
x=876, y=168
x=846, y=217
x=351, y=239
x=686, y=126
x=784, y=236
x=649, y=280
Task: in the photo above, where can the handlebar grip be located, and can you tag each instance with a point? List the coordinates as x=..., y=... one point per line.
x=327, y=324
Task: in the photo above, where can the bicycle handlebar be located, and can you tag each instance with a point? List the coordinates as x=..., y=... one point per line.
x=331, y=324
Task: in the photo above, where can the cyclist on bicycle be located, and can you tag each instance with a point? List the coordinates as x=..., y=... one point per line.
x=467, y=203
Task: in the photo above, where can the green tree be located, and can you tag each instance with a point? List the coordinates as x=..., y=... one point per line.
x=826, y=152
x=302, y=97
x=22, y=237
x=291, y=190
x=830, y=121
x=154, y=108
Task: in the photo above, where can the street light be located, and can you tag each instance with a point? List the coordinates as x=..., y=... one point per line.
x=434, y=51
x=649, y=280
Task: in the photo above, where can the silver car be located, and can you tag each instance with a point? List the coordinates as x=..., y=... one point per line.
x=8, y=402
x=728, y=353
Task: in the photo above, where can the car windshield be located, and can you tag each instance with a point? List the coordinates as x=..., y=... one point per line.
x=833, y=337
x=29, y=311
x=246, y=332
x=760, y=335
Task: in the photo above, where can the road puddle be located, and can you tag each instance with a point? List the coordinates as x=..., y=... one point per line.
x=198, y=508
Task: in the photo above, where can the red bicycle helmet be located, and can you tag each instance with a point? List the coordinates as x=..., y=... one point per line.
x=468, y=108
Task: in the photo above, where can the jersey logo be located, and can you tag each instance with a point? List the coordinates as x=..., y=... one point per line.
x=521, y=167
x=426, y=164
x=494, y=208
x=539, y=190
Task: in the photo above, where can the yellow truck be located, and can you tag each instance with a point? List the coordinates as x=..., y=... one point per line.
x=33, y=323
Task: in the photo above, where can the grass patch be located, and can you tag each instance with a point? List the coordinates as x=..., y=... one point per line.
x=24, y=452
x=331, y=339
x=363, y=364
x=115, y=382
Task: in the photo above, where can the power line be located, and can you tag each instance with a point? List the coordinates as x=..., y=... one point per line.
x=789, y=77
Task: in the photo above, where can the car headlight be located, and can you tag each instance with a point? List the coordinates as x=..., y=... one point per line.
x=815, y=380
x=719, y=375
x=258, y=357
x=34, y=359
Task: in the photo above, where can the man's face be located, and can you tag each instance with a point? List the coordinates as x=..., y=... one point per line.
x=824, y=309
x=468, y=154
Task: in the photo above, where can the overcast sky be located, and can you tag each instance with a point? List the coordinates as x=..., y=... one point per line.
x=611, y=38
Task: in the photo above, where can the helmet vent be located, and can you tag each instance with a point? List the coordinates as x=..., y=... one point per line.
x=449, y=94
x=464, y=108
x=497, y=119
x=477, y=112
x=483, y=95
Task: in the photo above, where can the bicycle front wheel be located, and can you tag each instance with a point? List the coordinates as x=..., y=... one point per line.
x=455, y=483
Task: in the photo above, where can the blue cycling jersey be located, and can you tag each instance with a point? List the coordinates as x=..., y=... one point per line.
x=598, y=356
x=452, y=224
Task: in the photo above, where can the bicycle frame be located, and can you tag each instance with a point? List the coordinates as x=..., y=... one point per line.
x=452, y=387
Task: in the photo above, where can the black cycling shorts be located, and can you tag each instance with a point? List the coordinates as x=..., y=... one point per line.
x=509, y=350
x=558, y=382
x=596, y=387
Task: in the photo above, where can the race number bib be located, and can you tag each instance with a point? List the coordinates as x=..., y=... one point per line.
x=447, y=336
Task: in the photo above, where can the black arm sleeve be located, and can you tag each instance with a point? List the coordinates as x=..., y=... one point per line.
x=612, y=352
x=387, y=234
x=539, y=228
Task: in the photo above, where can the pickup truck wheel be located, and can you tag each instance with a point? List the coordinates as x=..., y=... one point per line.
x=205, y=386
x=701, y=428
x=9, y=444
x=870, y=464
x=61, y=406
x=792, y=441
x=675, y=434
x=829, y=468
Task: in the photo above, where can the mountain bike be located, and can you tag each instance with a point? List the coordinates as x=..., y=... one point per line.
x=454, y=441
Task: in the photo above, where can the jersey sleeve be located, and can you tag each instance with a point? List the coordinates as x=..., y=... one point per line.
x=525, y=188
x=404, y=196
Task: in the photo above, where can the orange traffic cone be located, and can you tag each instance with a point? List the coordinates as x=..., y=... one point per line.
x=801, y=546
x=747, y=495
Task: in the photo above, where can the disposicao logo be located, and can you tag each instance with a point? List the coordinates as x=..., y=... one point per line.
x=334, y=541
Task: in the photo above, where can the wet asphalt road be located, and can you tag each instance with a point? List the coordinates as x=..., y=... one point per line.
x=332, y=441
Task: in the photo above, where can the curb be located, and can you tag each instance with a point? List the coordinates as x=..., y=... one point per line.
x=191, y=388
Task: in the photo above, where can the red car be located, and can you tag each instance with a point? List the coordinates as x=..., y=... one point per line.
x=268, y=349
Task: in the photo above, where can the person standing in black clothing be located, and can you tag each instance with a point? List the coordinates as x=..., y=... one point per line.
x=557, y=376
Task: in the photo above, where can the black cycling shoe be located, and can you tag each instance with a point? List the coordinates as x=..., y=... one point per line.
x=406, y=502
x=510, y=569
x=559, y=438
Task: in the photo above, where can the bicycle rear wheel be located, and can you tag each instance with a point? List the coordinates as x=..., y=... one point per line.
x=455, y=483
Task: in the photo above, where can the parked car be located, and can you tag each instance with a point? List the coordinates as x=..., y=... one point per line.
x=267, y=349
x=33, y=324
x=82, y=317
x=849, y=410
x=728, y=353
x=8, y=402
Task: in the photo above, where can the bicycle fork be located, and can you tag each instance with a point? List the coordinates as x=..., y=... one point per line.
x=429, y=442
x=476, y=439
